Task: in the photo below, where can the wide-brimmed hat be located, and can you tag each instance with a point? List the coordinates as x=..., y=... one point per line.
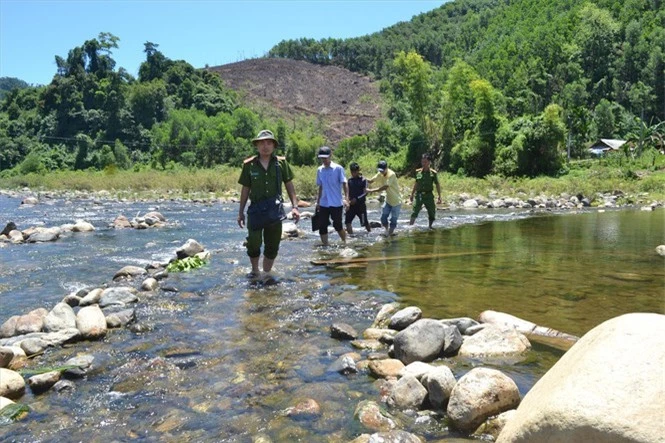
x=382, y=166
x=324, y=152
x=265, y=135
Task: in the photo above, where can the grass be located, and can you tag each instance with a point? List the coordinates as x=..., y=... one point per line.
x=588, y=180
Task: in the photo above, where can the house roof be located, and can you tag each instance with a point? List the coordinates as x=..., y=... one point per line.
x=608, y=143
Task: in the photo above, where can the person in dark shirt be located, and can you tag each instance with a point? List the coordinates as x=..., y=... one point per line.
x=357, y=194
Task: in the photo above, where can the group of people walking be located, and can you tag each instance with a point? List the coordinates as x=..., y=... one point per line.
x=263, y=174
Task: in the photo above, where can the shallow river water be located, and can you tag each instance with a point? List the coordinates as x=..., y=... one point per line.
x=221, y=359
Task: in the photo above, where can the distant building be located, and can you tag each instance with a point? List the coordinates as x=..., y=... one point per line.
x=604, y=145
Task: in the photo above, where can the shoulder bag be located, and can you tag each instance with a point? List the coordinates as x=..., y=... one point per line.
x=269, y=211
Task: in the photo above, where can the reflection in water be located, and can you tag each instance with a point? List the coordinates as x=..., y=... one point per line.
x=221, y=360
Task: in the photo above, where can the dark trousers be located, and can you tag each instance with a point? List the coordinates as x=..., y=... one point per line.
x=324, y=219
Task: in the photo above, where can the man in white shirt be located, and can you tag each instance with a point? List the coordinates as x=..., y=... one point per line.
x=331, y=181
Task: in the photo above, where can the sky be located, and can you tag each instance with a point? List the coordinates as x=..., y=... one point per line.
x=212, y=32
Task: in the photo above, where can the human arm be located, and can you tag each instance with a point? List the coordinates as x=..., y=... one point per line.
x=318, y=198
x=438, y=191
x=413, y=191
x=244, y=195
x=291, y=191
x=345, y=187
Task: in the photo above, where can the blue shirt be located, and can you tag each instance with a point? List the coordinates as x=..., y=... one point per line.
x=331, y=180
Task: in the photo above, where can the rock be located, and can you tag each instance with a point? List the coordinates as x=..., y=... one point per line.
x=342, y=331
x=16, y=236
x=44, y=235
x=461, y=323
x=190, y=248
x=396, y=436
x=30, y=201
x=12, y=384
x=129, y=271
x=417, y=369
x=526, y=327
x=305, y=409
x=150, y=284
x=62, y=316
x=118, y=296
x=64, y=386
x=33, y=321
x=155, y=215
x=495, y=341
x=405, y=318
x=383, y=317
x=43, y=382
x=344, y=365
x=408, y=393
x=422, y=341
x=480, y=394
x=8, y=328
x=90, y=321
x=371, y=345
x=72, y=300
x=470, y=204
x=33, y=346
x=82, y=226
x=389, y=367
x=452, y=340
x=11, y=226
x=439, y=383
x=120, y=318
x=494, y=425
x=371, y=417
x=660, y=250
x=83, y=364
x=4, y=401
x=607, y=387
x=121, y=222
x=92, y=297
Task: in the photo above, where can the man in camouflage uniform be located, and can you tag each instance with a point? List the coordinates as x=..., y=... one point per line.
x=423, y=189
x=259, y=182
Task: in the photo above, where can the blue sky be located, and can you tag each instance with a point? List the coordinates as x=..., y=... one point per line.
x=212, y=32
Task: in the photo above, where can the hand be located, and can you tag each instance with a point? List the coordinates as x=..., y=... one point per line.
x=438, y=200
x=345, y=202
x=295, y=214
x=241, y=220
x=411, y=199
x=353, y=201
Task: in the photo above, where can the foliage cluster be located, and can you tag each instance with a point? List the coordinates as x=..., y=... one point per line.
x=186, y=264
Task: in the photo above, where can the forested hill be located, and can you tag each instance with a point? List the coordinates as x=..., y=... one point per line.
x=534, y=51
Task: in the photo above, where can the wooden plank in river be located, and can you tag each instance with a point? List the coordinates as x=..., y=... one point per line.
x=363, y=260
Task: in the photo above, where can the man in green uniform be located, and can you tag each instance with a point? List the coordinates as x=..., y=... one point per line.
x=259, y=182
x=423, y=190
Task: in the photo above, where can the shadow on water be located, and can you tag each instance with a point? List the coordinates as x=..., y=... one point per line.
x=221, y=359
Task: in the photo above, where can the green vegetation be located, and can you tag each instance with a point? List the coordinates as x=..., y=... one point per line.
x=186, y=264
x=491, y=88
x=13, y=412
x=44, y=370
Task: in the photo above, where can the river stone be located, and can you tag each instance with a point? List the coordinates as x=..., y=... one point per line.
x=480, y=394
x=396, y=436
x=4, y=401
x=461, y=323
x=405, y=318
x=370, y=345
x=408, y=393
x=72, y=300
x=660, y=250
x=16, y=236
x=388, y=367
x=118, y=296
x=83, y=364
x=91, y=322
x=64, y=386
x=470, y=204
x=92, y=297
x=439, y=383
x=121, y=222
x=11, y=226
x=495, y=341
x=62, y=316
x=344, y=365
x=129, y=271
x=452, y=340
x=30, y=201
x=42, y=235
x=149, y=284
x=494, y=425
x=342, y=331
x=120, y=318
x=33, y=321
x=417, y=369
x=305, y=409
x=8, y=328
x=383, y=317
x=12, y=384
x=82, y=226
x=43, y=382
x=190, y=248
x=422, y=341
x=374, y=333
x=607, y=387
x=155, y=215
x=371, y=417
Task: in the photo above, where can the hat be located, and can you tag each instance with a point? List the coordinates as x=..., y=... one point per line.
x=265, y=135
x=382, y=166
x=354, y=166
x=324, y=152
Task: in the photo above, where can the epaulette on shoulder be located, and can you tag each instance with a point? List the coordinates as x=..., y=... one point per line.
x=419, y=170
x=281, y=158
x=249, y=159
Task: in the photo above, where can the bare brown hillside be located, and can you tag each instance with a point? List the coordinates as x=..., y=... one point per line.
x=345, y=103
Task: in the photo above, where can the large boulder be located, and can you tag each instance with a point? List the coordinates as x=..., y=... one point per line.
x=495, y=341
x=62, y=316
x=608, y=387
x=12, y=384
x=421, y=341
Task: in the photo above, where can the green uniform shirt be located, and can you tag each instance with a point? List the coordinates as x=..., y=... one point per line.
x=262, y=182
x=426, y=180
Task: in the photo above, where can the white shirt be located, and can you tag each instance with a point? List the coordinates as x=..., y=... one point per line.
x=331, y=180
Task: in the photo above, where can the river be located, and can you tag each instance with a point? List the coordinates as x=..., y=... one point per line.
x=221, y=358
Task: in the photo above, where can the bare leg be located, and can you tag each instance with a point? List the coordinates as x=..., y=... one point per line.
x=267, y=264
x=342, y=235
x=412, y=221
x=255, y=265
x=324, y=239
x=349, y=228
